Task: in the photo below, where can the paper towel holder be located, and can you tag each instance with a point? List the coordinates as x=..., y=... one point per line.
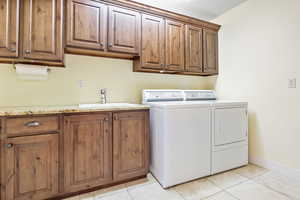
x=48, y=69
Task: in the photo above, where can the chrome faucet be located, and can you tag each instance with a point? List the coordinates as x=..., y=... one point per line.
x=103, y=98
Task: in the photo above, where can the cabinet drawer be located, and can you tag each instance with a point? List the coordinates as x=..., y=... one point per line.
x=26, y=125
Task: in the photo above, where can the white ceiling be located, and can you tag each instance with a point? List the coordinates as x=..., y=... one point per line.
x=202, y=9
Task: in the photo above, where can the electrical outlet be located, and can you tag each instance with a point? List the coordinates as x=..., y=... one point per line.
x=292, y=83
x=81, y=83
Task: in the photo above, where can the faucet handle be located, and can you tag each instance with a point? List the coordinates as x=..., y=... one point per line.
x=103, y=91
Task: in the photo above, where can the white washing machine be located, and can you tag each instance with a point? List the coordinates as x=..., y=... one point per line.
x=186, y=141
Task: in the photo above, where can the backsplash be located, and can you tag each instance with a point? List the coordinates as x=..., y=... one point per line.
x=92, y=73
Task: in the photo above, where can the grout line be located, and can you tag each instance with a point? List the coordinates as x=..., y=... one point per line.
x=270, y=188
x=231, y=195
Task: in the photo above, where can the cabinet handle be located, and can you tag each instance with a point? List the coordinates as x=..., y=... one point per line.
x=33, y=124
x=9, y=145
x=116, y=118
x=106, y=119
x=12, y=50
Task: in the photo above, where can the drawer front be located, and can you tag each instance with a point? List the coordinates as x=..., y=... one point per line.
x=31, y=125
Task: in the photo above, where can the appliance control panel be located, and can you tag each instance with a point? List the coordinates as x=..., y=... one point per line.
x=177, y=95
x=191, y=95
x=162, y=95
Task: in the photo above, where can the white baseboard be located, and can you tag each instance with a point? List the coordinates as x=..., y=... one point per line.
x=287, y=171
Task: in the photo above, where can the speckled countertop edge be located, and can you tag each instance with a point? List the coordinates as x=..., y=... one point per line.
x=40, y=110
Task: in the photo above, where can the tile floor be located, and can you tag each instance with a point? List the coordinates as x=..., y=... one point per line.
x=247, y=183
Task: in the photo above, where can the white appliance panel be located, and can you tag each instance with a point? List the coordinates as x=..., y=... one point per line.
x=187, y=145
x=180, y=144
x=230, y=125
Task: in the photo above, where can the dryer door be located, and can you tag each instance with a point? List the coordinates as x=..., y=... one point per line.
x=230, y=125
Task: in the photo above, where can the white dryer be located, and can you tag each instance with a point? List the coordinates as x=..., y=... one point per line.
x=229, y=135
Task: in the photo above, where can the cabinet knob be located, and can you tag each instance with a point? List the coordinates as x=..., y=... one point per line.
x=27, y=51
x=106, y=119
x=101, y=44
x=9, y=145
x=110, y=45
x=116, y=118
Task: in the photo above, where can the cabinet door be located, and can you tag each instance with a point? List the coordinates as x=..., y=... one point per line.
x=124, y=30
x=87, y=151
x=174, y=46
x=153, y=42
x=210, y=40
x=9, y=28
x=194, y=49
x=31, y=167
x=86, y=24
x=42, y=30
x=130, y=145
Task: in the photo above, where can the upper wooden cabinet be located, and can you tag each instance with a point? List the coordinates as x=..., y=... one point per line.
x=130, y=144
x=31, y=31
x=9, y=28
x=210, y=51
x=174, y=46
x=194, y=49
x=31, y=167
x=124, y=30
x=42, y=30
x=153, y=42
x=87, y=151
x=86, y=24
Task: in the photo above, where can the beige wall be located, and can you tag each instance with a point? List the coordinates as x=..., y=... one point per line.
x=259, y=52
x=114, y=74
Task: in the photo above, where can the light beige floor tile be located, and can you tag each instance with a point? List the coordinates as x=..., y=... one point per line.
x=144, y=181
x=87, y=196
x=197, y=189
x=251, y=190
x=117, y=196
x=153, y=192
x=251, y=171
x=281, y=183
x=227, y=179
x=109, y=191
x=72, y=198
x=221, y=196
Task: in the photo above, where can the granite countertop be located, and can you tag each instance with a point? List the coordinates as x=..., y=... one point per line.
x=37, y=110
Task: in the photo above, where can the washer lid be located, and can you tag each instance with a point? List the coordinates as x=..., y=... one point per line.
x=180, y=104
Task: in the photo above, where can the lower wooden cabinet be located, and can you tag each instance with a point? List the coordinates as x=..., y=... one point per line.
x=30, y=167
x=87, y=151
x=130, y=145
